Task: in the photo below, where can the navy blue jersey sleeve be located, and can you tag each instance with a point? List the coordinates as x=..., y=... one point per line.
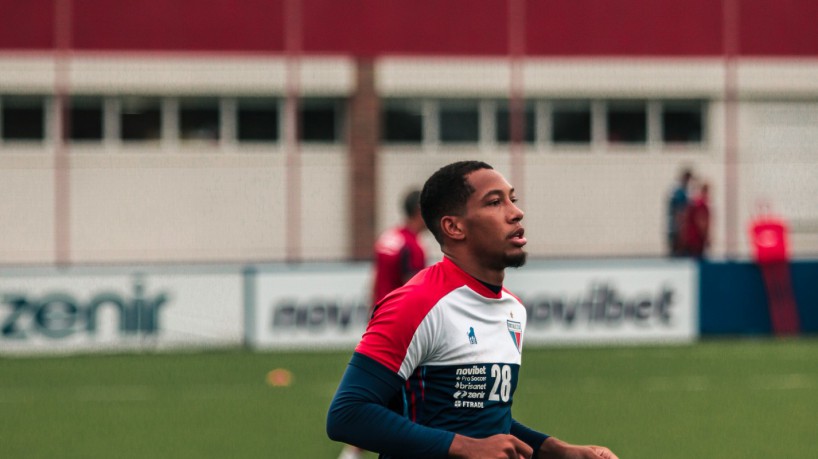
x=359, y=415
x=532, y=438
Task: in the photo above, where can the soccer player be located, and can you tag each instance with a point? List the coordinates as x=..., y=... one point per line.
x=434, y=374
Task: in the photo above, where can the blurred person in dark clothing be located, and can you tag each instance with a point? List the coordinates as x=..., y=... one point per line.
x=676, y=209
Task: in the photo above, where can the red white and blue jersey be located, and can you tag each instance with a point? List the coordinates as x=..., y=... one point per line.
x=456, y=343
x=441, y=356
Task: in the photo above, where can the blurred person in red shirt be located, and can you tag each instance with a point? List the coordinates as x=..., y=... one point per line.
x=696, y=228
x=398, y=252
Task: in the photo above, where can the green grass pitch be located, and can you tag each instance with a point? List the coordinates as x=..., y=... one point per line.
x=714, y=399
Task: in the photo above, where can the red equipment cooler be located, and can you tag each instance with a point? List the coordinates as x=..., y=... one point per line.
x=769, y=237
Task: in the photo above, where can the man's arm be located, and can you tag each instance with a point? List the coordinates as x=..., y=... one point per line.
x=558, y=449
x=496, y=446
x=359, y=415
x=531, y=437
x=548, y=447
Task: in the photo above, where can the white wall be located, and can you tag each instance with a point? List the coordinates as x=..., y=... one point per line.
x=229, y=203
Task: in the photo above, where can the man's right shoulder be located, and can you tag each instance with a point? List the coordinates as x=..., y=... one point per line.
x=431, y=283
x=420, y=293
x=399, y=315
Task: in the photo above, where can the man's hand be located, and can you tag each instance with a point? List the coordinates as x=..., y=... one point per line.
x=554, y=448
x=500, y=446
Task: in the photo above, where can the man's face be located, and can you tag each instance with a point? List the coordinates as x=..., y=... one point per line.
x=492, y=221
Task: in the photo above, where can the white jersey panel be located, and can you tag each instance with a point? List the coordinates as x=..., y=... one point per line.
x=464, y=328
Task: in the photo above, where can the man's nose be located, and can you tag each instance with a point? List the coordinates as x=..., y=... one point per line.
x=517, y=213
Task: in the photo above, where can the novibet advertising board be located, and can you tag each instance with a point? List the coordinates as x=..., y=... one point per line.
x=593, y=302
x=310, y=307
x=642, y=301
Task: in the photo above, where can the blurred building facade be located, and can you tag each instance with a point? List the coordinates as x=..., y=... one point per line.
x=272, y=130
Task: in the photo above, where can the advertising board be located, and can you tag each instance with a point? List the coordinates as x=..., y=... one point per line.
x=608, y=301
x=85, y=309
x=568, y=303
x=316, y=307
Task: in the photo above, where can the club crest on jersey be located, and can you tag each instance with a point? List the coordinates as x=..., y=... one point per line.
x=515, y=329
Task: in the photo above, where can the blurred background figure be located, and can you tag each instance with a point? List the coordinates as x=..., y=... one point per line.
x=677, y=205
x=399, y=254
x=696, y=229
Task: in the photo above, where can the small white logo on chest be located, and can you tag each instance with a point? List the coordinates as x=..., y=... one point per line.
x=471, y=335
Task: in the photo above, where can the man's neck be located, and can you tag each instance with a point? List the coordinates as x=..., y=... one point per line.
x=474, y=269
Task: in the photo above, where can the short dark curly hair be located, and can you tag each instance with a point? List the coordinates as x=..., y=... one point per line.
x=446, y=193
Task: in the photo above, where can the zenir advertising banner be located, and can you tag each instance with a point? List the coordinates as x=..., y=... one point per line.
x=113, y=309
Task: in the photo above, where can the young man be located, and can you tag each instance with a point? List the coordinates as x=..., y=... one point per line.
x=435, y=372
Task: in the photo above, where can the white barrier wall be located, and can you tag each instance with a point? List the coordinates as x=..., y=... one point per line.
x=648, y=301
x=312, y=307
x=53, y=311
x=652, y=301
x=320, y=306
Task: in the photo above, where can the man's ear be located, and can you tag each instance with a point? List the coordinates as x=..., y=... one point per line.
x=452, y=228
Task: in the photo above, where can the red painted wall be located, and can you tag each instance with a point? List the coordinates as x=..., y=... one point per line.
x=648, y=27
x=419, y=27
x=26, y=25
x=772, y=27
x=461, y=27
x=156, y=25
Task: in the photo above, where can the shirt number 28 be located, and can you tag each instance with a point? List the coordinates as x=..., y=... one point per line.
x=502, y=383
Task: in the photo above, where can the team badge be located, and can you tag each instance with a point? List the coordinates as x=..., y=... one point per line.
x=515, y=329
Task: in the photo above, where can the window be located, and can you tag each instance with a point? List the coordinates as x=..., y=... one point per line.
x=23, y=118
x=258, y=120
x=627, y=122
x=459, y=121
x=682, y=122
x=571, y=122
x=140, y=119
x=503, y=124
x=199, y=119
x=319, y=120
x=85, y=118
x=402, y=121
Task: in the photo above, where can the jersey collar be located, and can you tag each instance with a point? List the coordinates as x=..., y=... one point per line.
x=470, y=281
